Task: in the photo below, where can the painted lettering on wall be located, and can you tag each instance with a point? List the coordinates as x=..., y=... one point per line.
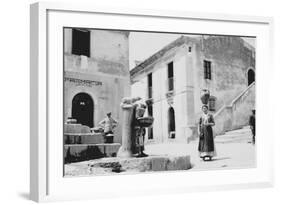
x=81, y=82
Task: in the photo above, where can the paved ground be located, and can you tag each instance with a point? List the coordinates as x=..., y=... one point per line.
x=114, y=165
x=231, y=155
x=234, y=150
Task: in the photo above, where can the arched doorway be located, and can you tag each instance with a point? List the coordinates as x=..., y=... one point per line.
x=171, y=123
x=251, y=76
x=83, y=109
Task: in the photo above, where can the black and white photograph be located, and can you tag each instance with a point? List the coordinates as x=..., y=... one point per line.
x=148, y=101
x=140, y=102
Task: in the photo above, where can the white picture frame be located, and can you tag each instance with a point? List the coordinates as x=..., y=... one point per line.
x=46, y=179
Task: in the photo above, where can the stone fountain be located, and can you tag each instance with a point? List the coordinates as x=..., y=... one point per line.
x=131, y=156
x=133, y=129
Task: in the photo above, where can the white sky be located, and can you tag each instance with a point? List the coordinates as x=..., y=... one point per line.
x=145, y=44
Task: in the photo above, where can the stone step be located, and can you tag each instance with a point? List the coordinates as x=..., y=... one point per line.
x=76, y=128
x=83, y=138
x=233, y=141
x=222, y=138
x=82, y=152
x=229, y=136
x=229, y=140
x=240, y=131
x=235, y=136
x=238, y=136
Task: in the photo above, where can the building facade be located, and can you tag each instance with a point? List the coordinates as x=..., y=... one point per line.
x=96, y=75
x=173, y=78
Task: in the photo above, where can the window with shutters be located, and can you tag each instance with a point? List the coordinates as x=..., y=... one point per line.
x=171, y=76
x=149, y=89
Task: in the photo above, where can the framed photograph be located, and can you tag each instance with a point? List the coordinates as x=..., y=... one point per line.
x=130, y=102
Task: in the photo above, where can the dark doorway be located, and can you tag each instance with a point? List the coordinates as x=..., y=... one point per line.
x=83, y=109
x=251, y=76
x=171, y=122
x=150, y=129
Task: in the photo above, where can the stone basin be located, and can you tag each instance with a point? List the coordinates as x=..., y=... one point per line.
x=106, y=166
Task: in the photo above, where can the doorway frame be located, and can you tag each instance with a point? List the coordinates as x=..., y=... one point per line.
x=93, y=106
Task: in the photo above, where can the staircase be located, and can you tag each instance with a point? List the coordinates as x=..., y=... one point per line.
x=236, y=114
x=243, y=135
x=80, y=144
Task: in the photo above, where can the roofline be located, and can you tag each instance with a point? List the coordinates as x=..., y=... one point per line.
x=150, y=60
x=178, y=42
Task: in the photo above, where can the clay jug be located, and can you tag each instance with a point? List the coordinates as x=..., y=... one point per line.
x=205, y=95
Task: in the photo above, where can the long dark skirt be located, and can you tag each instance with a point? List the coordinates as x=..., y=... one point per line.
x=138, y=140
x=206, y=142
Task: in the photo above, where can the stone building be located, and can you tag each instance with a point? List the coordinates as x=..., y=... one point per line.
x=96, y=75
x=172, y=80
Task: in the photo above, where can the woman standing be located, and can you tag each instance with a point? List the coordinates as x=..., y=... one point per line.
x=206, y=146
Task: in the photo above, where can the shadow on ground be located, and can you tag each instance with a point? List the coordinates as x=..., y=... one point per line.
x=24, y=195
x=222, y=158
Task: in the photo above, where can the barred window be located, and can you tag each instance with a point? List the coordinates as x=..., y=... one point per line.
x=207, y=70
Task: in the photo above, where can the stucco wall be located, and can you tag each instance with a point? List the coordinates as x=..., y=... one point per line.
x=159, y=91
x=230, y=59
x=109, y=53
x=107, y=69
x=106, y=96
x=243, y=109
x=236, y=114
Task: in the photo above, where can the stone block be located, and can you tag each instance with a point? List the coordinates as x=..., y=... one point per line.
x=158, y=164
x=179, y=163
x=82, y=152
x=76, y=128
x=89, y=138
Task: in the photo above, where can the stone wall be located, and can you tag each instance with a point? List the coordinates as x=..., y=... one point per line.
x=230, y=59
x=237, y=113
x=242, y=109
x=223, y=120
